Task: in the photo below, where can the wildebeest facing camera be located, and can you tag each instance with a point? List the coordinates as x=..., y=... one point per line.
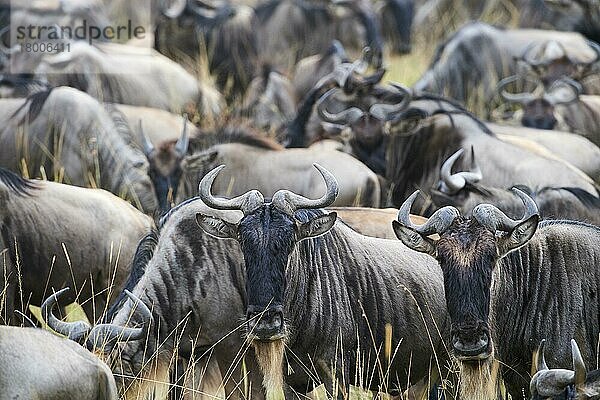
x=299, y=198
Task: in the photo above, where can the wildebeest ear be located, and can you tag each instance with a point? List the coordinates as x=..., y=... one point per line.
x=316, y=226
x=413, y=239
x=216, y=227
x=519, y=236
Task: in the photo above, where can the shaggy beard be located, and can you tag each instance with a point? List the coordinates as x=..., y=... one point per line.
x=269, y=356
x=479, y=380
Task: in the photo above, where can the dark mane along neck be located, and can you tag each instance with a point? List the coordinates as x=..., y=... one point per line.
x=16, y=184
x=414, y=159
x=233, y=132
x=315, y=280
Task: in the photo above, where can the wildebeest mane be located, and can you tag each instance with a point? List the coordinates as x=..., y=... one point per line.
x=450, y=113
x=549, y=222
x=163, y=219
x=586, y=198
x=121, y=123
x=17, y=184
x=143, y=254
x=35, y=102
x=233, y=132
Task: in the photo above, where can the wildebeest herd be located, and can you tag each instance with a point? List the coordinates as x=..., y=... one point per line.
x=242, y=204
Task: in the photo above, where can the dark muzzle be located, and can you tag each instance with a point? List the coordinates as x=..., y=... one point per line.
x=471, y=341
x=265, y=324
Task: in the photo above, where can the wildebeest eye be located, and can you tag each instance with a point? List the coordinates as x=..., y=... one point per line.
x=138, y=164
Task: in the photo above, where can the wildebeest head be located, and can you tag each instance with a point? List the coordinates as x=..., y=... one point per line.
x=538, y=110
x=551, y=61
x=102, y=336
x=267, y=234
x=468, y=251
x=576, y=384
x=165, y=165
x=361, y=112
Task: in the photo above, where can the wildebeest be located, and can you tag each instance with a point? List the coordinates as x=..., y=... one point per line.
x=82, y=146
x=101, y=338
x=118, y=73
x=270, y=100
x=416, y=153
x=560, y=106
x=470, y=63
x=164, y=139
x=265, y=165
x=310, y=70
x=508, y=283
x=396, y=18
x=35, y=364
x=293, y=29
x=575, y=149
x=328, y=292
x=461, y=190
x=55, y=235
x=581, y=16
x=221, y=31
x=569, y=384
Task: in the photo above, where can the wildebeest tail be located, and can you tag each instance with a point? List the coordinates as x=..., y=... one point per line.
x=143, y=254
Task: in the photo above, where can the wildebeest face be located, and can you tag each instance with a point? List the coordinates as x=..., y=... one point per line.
x=467, y=256
x=165, y=165
x=267, y=234
x=267, y=238
x=165, y=172
x=468, y=251
x=368, y=131
x=539, y=113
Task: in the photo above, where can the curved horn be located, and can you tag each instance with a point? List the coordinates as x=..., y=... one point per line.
x=437, y=223
x=183, y=142
x=520, y=98
x=578, y=364
x=596, y=47
x=76, y=331
x=247, y=202
x=387, y=112
x=541, y=364
x=374, y=78
x=289, y=202
x=453, y=183
x=527, y=57
x=147, y=145
x=103, y=335
x=345, y=117
x=563, y=91
x=492, y=218
x=175, y=10
x=8, y=50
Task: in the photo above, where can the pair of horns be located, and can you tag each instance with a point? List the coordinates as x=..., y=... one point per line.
x=487, y=215
x=553, y=382
x=382, y=112
x=556, y=50
x=180, y=147
x=101, y=336
x=562, y=91
x=284, y=200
